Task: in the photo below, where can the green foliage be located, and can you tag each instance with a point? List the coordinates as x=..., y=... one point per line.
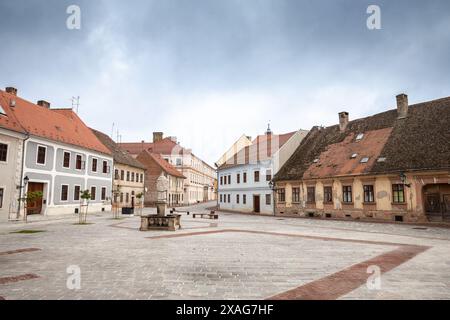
x=85, y=194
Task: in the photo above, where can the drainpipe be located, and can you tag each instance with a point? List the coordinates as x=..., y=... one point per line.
x=27, y=136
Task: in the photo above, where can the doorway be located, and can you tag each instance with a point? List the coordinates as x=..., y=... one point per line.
x=35, y=207
x=437, y=202
x=256, y=203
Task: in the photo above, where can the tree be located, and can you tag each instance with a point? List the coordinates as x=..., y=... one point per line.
x=85, y=196
x=30, y=197
x=115, y=202
x=139, y=196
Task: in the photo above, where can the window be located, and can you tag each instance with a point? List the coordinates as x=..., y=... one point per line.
x=311, y=194
x=244, y=177
x=66, y=160
x=238, y=178
x=368, y=193
x=116, y=174
x=237, y=198
x=398, y=193
x=296, y=195
x=225, y=180
x=229, y=198
x=256, y=176
x=220, y=198
x=94, y=165
x=347, y=194
x=128, y=175
x=64, y=192
x=3, y=152
x=127, y=197
x=268, y=175
x=327, y=195
x=103, y=193
x=78, y=162
x=76, y=193
x=244, y=198
x=132, y=177
x=105, y=167
x=359, y=136
x=229, y=179
x=178, y=161
x=41, y=151
x=364, y=160
x=122, y=175
x=221, y=180
x=142, y=177
x=1, y=197
x=353, y=156
x=281, y=195
x=268, y=199
x=93, y=191
x=121, y=197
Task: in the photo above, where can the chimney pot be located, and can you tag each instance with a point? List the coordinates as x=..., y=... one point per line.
x=44, y=104
x=157, y=136
x=343, y=120
x=11, y=90
x=402, y=106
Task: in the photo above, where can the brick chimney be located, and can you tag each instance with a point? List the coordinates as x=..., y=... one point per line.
x=343, y=120
x=44, y=104
x=157, y=136
x=402, y=106
x=11, y=90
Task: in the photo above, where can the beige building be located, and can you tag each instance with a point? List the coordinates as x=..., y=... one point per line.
x=128, y=190
x=392, y=166
x=199, y=184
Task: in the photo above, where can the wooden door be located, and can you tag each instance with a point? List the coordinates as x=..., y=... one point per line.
x=35, y=207
x=256, y=203
x=432, y=203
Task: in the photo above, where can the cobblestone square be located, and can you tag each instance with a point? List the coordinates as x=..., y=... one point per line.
x=235, y=257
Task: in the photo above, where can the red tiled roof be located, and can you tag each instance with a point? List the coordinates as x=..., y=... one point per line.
x=262, y=148
x=9, y=121
x=167, y=167
x=62, y=125
x=164, y=146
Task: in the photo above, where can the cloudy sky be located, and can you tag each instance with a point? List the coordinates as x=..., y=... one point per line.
x=208, y=71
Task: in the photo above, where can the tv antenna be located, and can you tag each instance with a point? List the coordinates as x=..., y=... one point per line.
x=75, y=103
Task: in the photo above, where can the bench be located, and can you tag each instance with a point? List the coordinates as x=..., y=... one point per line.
x=211, y=215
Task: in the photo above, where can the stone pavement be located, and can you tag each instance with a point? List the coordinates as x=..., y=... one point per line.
x=235, y=257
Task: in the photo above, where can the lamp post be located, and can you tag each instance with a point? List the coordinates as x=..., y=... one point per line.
x=403, y=180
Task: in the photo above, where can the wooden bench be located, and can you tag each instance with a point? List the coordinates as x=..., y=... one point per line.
x=211, y=215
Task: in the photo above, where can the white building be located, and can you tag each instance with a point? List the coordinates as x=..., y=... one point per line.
x=244, y=179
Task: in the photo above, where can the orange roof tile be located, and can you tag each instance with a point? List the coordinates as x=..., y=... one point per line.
x=62, y=125
x=167, y=167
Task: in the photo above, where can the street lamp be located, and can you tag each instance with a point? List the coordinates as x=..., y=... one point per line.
x=272, y=187
x=403, y=180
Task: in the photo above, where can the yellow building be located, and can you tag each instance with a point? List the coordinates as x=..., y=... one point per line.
x=391, y=166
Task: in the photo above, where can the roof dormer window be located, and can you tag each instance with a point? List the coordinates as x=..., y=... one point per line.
x=316, y=160
x=2, y=111
x=364, y=160
x=381, y=159
x=353, y=156
x=359, y=136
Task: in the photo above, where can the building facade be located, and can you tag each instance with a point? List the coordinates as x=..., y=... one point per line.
x=244, y=180
x=62, y=157
x=392, y=166
x=12, y=137
x=155, y=165
x=200, y=177
x=128, y=180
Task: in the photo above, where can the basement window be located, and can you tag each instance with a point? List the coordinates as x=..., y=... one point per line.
x=359, y=136
x=364, y=160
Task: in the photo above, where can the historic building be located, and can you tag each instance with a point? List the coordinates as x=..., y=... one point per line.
x=245, y=179
x=392, y=166
x=155, y=165
x=12, y=137
x=61, y=157
x=128, y=184
x=200, y=177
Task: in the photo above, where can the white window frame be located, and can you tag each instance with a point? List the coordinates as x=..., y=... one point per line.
x=70, y=158
x=60, y=196
x=101, y=193
x=92, y=165
x=95, y=193
x=37, y=155
x=76, y=185
x=7, y=152
x=3, y=196
x=76, y=155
